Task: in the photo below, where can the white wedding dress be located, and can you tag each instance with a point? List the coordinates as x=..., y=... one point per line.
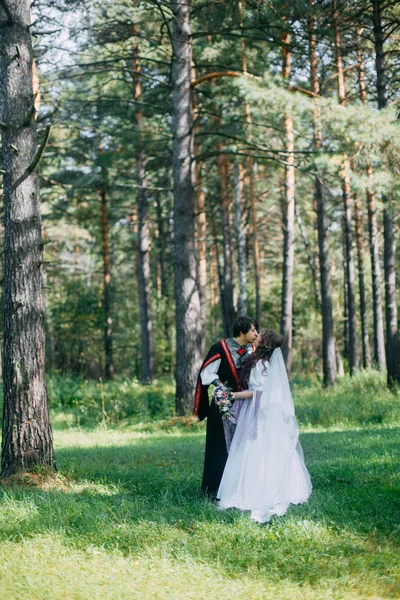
x=265, y=470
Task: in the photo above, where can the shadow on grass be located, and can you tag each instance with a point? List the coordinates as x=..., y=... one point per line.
x=144, y=497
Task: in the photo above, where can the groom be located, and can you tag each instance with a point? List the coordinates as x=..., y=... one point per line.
x=221, y=365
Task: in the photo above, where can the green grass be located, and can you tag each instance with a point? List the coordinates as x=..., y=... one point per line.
x=124, y=518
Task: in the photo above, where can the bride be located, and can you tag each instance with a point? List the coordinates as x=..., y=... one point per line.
x=265, y=471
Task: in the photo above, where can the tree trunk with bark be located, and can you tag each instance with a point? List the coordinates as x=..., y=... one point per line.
x=349, y=271
x=146, y=322
x=392, y=333
x=228, y=307
x=27, y=437
x=288, y=219
x=201, y=223
x=251, y=179
x=392, y=356
x=328, y=336
x=187, y=300
x=241, y=238
x=361, y=284
x=108, y=333
x=379, y=338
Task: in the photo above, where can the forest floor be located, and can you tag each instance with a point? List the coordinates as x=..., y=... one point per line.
x=124, y=519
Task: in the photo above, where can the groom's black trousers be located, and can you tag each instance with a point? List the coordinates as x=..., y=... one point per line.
x=216, y=454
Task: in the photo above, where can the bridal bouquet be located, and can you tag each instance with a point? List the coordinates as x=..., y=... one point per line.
x=223, y=398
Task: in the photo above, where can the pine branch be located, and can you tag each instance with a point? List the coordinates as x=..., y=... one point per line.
x=35, y=160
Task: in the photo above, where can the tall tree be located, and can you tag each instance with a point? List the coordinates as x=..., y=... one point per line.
x=228, y=307
x=366, y=354
x=27, y=438
x=187, y=300
x=379, y=339
x=143, y=246
x=328, y=336
x=241, y=237
x=288, y=214
x=347, y=213
x=392, y=333
x=108, y=334
x=252, y=193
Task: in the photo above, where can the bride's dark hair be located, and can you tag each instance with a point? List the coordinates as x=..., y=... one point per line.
x=269, y=340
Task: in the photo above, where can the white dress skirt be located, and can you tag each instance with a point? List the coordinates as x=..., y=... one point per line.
x=265, y=471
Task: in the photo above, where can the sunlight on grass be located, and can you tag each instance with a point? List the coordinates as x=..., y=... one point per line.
x=125, y=519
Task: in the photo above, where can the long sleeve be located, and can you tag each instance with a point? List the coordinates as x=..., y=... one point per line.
x=210, y=372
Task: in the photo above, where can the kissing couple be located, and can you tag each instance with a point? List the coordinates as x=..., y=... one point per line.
x=253, y=458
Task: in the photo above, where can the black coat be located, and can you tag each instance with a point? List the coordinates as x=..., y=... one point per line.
x=215, y=453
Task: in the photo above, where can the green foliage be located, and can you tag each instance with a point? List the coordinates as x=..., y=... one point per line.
x=358, y=400
x=111, y=402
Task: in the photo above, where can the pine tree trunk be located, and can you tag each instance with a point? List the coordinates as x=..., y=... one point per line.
x=201, y=224
x=379, y=339
x=108, y=333
x=328, y=337
x=187, y=300
x=241, y=238
x=350, y=272
x=146, y=323
x=161, y=248
x=361, y=278
x=253, y=208
x=201, y=238
x=228, y=288
x=256, y=250
x=288, y=221
x=27, y=437
x=346, y=344
x=392, y=342
x=349, y=287
x=390, y=297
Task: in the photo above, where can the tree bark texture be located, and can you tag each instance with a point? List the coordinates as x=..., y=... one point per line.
x=392, y=342
x=201, y=222
x=288, y=221
x=27, y=437
x=381, y=79
x=241, y=238
x=350, y=271
x=252, y=195
x=228, y=307
x=256, y=249
x=366, y=354
x=146, y=323
x=187, y=299
x=328, y=336
x=341, y=90
x=108, y=333
x=379, y=339
x=392, y=356
x=201, y=238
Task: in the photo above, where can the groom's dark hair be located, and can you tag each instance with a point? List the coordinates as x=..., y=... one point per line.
x=243, y=325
